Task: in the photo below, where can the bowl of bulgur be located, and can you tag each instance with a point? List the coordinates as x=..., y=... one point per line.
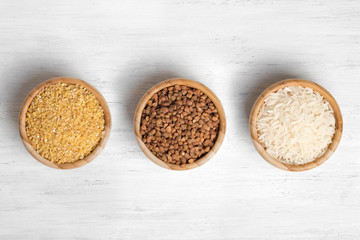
x=64, y=123
x=179, y=124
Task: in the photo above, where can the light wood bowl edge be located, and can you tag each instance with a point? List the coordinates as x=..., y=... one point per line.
x=296, y=82
x=189, y=83
x=88, y=158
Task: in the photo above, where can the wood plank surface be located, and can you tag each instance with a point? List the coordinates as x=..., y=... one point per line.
x=123, y=48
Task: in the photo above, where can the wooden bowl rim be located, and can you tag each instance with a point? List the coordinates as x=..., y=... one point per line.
x=296, y=82
x=99, y=147
x=193, y=84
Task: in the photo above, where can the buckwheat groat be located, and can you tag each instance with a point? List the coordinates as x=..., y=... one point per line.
x=179, y=124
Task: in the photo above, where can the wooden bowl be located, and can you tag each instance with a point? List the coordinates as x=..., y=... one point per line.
x=192, y=84
x=338, y=125
x=80, y=162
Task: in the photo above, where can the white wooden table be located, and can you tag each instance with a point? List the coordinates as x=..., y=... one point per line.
x=236, y=48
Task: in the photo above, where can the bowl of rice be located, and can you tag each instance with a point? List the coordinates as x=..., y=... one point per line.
x=296, y=125
x=64, y=123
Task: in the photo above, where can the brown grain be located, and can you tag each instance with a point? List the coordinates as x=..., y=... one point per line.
x=179, y=124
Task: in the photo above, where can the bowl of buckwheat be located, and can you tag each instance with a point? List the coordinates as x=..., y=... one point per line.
x=179, y=124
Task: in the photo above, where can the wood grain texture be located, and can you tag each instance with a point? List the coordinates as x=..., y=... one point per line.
x=237, y=49
x=274, y=88
x=26, y=141
x=191, y=84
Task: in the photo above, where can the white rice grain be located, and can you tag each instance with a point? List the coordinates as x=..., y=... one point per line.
x=296, y=125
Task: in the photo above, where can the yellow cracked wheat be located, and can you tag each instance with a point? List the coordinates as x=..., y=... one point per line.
x=64, y=122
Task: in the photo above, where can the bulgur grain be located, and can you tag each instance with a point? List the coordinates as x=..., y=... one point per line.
x=64, y=122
